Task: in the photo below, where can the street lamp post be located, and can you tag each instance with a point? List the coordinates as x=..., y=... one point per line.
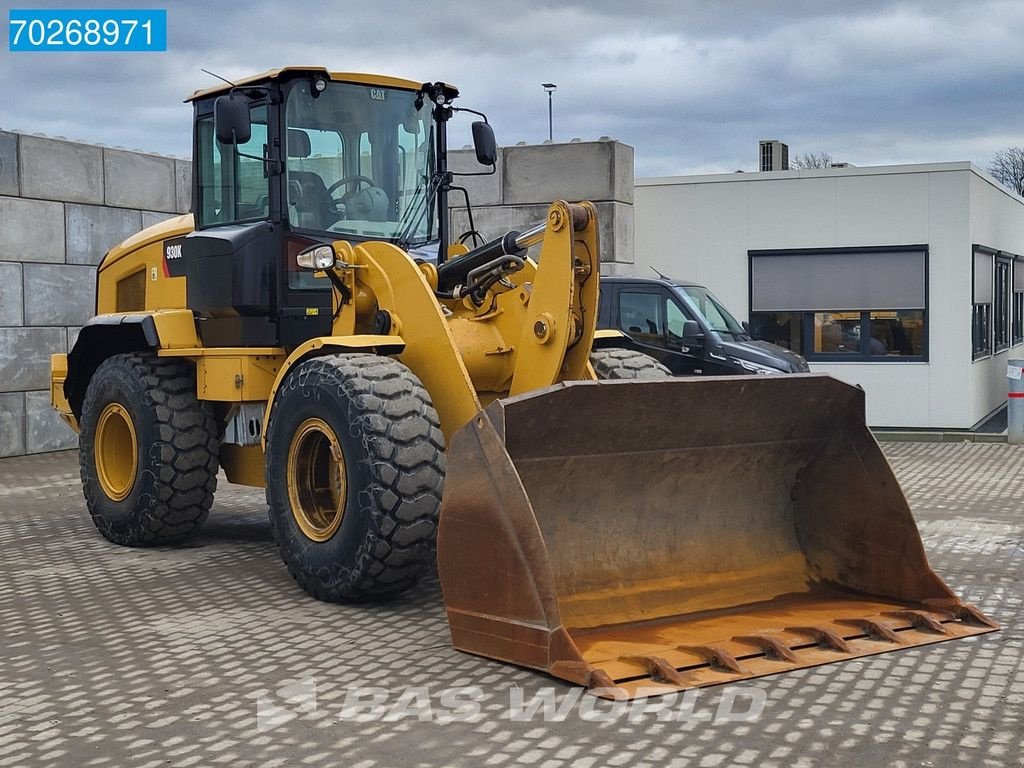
x=550, y=88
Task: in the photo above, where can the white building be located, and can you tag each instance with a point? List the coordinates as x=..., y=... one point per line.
x=907, y=280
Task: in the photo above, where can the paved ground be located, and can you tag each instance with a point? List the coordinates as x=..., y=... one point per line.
x=210, y=655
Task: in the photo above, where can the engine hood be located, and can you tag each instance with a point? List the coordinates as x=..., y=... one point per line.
x=766, y=353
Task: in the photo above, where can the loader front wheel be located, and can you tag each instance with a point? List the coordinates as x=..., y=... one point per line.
x=147, y=451
x=626, y=364
x=355, y=469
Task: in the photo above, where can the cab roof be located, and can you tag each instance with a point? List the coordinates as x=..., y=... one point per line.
x=362, y=78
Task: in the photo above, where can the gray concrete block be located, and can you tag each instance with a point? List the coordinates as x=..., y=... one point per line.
x=614, y=225
x=9, y=164
x=615, y=268
x=149, y=218
x=494, y=221
x=592, y=170
x=73, y=336
x=92, y=230
x=32, y=230
x=44, y=429
x=483, y=190
x=25, y=357
x=183, y=186
x=60, y=170
x=59, y=294
x=134, y=180
x=12, y=424
x=11, y=296
x=615, y=231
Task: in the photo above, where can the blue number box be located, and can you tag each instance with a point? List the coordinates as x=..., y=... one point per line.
x=80, y=29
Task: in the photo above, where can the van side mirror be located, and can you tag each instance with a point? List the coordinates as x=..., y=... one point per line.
x=746, y=329
x=484, y=144
x=231, y=122
x=691, y=332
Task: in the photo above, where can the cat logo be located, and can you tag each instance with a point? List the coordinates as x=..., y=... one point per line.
x=378, y=94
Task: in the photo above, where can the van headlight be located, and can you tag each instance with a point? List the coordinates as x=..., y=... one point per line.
x=760, y=370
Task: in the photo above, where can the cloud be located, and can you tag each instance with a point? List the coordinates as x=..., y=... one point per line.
x=691, y=85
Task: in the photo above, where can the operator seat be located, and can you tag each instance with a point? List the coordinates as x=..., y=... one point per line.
x=309, y=195
x=306, y=190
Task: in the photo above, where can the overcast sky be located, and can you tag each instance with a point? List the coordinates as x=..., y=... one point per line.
x=691, y=85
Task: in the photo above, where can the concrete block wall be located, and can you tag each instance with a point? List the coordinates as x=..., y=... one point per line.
x=529, y=177
x=62, y=206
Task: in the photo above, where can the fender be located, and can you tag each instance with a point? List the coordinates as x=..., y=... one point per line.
x=112, y=334
x=325, y=345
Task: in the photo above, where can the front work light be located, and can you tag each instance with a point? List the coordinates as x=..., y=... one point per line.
x=317, y=257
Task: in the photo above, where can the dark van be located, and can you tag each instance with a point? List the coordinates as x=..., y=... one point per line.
x=687, y=329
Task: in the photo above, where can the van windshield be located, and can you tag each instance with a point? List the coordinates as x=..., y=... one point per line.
x=715, y=315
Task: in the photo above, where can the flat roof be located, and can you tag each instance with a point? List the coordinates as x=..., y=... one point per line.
x=819, y=173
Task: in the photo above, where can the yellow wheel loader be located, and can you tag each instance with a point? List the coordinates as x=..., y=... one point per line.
x=311, y=328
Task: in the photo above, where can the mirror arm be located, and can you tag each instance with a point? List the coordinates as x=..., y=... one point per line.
x=494, y=169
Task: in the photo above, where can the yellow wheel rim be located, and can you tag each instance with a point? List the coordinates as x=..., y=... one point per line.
x=317, y=482
x=117, y=452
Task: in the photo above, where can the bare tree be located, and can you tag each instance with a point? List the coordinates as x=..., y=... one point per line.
x=1007, y=167
x=810, y=160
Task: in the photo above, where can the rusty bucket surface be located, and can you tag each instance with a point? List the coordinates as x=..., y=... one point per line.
x=643, y=538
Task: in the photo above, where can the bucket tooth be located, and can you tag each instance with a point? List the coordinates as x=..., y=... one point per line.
x=965, y=612
x=972, y=615
x=921, y=620
x=598, y=678
x=773, y=647
x=716, y=657
x=824, y=636
x=873, y=628
x=582, y=673
x=660, y=670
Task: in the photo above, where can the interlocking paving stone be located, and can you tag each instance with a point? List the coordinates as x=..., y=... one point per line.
x=112, y=656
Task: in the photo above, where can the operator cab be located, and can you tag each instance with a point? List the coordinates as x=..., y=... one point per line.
x=295, y=158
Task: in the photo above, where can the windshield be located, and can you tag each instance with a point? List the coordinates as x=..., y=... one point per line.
x=359, y=162
x=711, y=309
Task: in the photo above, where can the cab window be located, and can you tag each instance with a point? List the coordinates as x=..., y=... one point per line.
x=232, y=188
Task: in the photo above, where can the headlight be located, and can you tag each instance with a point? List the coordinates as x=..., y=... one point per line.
x=317, y=257
x=760, y=370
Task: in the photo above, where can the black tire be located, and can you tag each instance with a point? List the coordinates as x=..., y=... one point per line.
x=176, y=446
x=394, y=464
x=626, y=364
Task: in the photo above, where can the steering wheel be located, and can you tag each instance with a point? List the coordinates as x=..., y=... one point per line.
x=350, y=180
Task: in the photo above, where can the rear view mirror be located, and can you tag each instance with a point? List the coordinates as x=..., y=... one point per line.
x=691, y=331
x=484, y=143
x=231, y=119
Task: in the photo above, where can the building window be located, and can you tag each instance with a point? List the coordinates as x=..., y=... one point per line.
x=981, y=312
x=1003, y=298
x=782, y=328
x=842, y=304
x=1018, y=302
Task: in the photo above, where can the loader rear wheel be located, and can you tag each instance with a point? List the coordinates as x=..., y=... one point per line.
x=626, y=364
x=147, y=451
x=355, y=469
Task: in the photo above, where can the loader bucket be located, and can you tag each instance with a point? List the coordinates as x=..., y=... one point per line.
x=641, y=538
